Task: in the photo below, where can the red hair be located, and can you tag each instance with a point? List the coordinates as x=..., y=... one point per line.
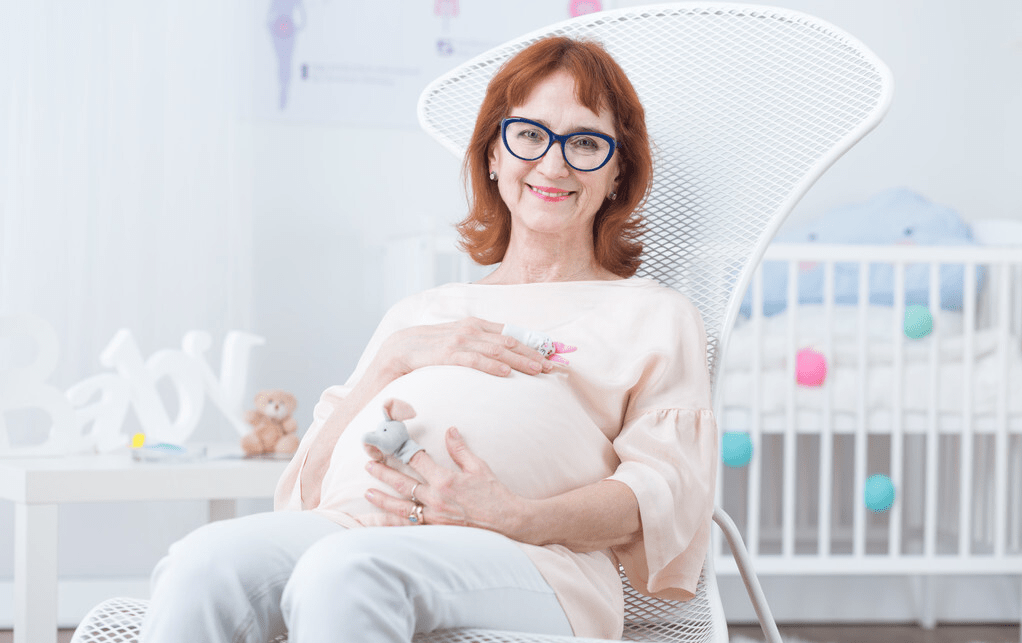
x=600, y=84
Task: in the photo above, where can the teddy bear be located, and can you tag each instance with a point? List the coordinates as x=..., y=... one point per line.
x=273, y=428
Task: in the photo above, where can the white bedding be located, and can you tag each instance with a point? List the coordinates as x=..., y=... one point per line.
x=843, y=377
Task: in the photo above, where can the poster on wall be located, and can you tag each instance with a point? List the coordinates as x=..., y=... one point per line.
x=362, y=62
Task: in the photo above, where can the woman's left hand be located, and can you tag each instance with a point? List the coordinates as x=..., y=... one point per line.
x=470, y=497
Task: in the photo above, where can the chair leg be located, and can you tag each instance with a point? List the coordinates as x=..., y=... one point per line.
x=734, y=541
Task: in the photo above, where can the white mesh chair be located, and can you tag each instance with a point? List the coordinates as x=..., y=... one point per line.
x=747, y=106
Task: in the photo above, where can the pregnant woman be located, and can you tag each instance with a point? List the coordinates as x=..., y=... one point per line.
x=562, y=407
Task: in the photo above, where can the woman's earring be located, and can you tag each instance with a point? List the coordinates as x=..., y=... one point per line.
x=612, y=196
x=493, y=176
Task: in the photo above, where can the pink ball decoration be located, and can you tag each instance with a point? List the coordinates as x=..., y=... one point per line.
x=581, y=7
x=810, y=367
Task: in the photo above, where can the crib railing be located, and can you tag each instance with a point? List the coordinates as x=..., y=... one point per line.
x=959, y=508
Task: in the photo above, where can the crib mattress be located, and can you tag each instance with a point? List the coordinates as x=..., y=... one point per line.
x=980, y=390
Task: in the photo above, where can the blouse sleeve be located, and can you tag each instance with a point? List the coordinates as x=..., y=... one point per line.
x=287, y=495
x=668, y=452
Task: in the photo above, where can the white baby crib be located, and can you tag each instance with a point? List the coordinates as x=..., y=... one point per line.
x=941, y=416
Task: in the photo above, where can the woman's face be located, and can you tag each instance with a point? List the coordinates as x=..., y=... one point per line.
x=548, y=195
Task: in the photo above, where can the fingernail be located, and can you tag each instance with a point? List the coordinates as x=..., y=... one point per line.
x=370, y=465
x=535, y=367
x=455, y=434
x=370, y=495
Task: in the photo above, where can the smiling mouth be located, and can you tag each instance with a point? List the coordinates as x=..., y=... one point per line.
x=550, y=194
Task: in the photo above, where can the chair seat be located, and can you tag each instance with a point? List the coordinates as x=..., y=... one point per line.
x=118, y=620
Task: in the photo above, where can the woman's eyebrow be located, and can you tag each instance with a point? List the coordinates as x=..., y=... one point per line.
x=572, y=130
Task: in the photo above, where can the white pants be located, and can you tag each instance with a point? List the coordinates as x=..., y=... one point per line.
x=252, y=578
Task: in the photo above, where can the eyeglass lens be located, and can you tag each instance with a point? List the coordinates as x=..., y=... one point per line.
x=530, y=142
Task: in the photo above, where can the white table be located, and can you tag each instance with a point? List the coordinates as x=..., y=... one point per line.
x=38, y=485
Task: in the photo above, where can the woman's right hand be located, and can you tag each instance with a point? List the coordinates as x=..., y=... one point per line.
x=470, y=342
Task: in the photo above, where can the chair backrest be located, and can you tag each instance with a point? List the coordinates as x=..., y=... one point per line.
x=746, y=106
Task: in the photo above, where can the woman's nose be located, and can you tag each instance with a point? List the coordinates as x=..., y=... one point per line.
x=553, y=164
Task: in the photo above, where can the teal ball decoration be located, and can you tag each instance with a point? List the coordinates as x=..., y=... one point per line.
x=918, y=321
x=879, y=493
x=736, y=449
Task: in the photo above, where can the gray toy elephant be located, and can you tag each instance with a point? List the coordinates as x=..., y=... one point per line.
x=391, y=437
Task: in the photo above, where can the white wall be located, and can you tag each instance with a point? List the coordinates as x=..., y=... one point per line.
x=953, y=131
x=326, y=198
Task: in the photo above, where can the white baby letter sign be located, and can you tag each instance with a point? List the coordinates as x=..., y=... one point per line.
x=25, y=387
x=228, y=392
x=102, y=401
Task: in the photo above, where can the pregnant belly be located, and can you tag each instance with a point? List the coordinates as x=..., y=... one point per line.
x=530, y=430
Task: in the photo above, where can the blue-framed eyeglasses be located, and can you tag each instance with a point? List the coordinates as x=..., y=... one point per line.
x=529, y=141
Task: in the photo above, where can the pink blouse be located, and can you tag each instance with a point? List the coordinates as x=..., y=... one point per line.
x=633, y=406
